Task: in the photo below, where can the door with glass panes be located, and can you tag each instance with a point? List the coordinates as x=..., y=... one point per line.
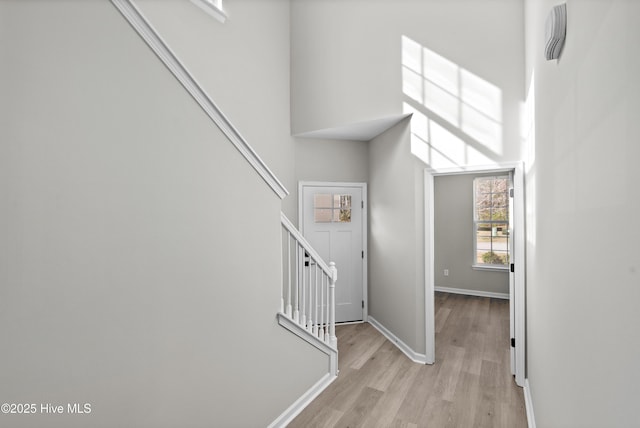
x=332, y=221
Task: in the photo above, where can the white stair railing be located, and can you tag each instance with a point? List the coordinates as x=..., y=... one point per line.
x=308, y=289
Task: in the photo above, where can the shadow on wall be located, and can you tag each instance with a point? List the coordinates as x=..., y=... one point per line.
x=457, y=116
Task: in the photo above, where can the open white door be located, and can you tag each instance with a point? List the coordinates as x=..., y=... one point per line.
x=512, y=281
x=333, y=220
x=518, y=276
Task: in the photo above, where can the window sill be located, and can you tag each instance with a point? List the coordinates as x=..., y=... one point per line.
x=490, y=268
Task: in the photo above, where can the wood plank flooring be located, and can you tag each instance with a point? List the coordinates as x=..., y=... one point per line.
x=470, y=384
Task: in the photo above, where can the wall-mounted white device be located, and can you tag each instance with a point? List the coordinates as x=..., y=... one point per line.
x=556, y=31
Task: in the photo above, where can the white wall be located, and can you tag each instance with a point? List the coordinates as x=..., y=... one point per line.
x=347, y=66
x=396, y=235
x=583, y=201
x=244, y=65
x=350, y=62
x=331, y=160
x=126, y=221
x=454, y=234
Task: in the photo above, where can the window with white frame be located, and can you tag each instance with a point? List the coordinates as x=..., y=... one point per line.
x=491, y=221
x=213, y=8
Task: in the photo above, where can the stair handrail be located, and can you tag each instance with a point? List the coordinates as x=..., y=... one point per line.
x=331, y=273
x=145, y=30
x=295, y=233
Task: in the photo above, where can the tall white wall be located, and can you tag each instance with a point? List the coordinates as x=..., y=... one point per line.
x=583, y=201
x=244, y=65
x=139, y=262
x=350, y=62
x=396, y=236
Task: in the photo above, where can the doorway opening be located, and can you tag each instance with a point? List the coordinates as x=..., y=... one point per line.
x=508, y=255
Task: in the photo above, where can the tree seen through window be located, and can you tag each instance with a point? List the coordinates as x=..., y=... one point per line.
x=491, y=220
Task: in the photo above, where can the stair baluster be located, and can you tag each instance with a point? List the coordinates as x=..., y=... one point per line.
x=308, y=287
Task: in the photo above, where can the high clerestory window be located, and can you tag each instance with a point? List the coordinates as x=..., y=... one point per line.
x=491, y=221
x=213, y=8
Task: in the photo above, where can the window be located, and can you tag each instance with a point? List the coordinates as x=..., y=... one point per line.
x=213, y=8
x=491, y=221
x=328, y=208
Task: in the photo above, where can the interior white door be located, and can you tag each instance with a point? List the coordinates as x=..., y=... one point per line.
x=512, y=280
x=332, y=222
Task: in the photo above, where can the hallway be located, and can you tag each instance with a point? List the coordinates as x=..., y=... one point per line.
x=468, y=386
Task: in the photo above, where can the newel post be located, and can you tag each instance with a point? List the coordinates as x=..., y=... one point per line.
x=333, y=340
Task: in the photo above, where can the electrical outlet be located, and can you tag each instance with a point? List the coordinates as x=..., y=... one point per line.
x=446, y=272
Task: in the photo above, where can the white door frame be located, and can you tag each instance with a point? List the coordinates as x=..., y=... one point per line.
x=365, y=229
x=518, y=298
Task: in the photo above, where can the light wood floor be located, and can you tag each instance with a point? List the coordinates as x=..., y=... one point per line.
x=470, y=384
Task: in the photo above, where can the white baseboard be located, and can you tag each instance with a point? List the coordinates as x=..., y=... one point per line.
x=299, y=405
x=413, y=355
x=528, y=403
x=473, y=292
